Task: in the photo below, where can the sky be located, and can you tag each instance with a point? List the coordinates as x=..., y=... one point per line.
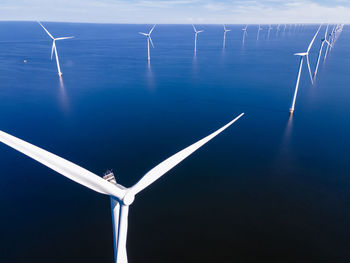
x=178, y=11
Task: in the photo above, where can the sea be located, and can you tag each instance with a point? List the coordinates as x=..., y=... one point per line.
x=270, y=188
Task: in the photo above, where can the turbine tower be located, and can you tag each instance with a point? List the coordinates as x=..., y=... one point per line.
x=149, y=39
x=54, y=49
x=323, y=40
x=121, y=197
x=302, y=55
x=225, y=31
x=244, y=33
x=195, y=38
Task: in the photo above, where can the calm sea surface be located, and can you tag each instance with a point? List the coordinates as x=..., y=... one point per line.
x=268, y=189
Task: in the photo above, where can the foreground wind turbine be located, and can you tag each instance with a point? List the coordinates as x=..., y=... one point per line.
x=244, y=33
x=225, y=31
x=149, y=39
x=323, y=40
x=195, y=38
x=54, y=48
x=302, y=55
x=121, y=197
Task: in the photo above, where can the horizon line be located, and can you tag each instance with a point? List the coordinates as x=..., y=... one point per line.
x=150, y=23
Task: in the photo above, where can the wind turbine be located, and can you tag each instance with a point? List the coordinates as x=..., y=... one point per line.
x=302, y=55
x=244, y=33
x=195, y=38
x=149, y=39
x=121, y=197
x=323, y=40
x=54, y=48
x=268, y=32
x=225, y=31
x=259, y=29
x=328, y=46
x=278, y=29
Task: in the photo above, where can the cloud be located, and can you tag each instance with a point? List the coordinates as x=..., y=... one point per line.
x=180, y=11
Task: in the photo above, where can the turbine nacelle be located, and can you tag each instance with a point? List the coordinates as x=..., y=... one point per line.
x=225, y=29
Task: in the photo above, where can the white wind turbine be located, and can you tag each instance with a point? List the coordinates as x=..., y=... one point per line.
x=278, y=29
x=54, y=48
x=323, y=40
x=225, y=31
x=302, y=55
x=331, y=42
x=149, y=39
x=195, y=37
x=244, y=33
x=268, y=31
x=121, y=197
x=259, y=29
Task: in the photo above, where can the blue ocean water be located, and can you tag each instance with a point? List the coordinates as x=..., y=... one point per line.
x=269, y=189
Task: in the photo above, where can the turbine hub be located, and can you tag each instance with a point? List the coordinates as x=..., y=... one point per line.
x=129, y=198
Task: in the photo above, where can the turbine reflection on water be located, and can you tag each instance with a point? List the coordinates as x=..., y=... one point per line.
x=63, y=96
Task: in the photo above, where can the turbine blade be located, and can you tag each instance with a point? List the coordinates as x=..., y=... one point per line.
x=62, y=166
x=162, y=168
x=151, y=41
x=328, y=43
x=200, y=31
x=143, y=33
x=150, y=32
x=46, y=30
x=312, y=41
x=308, y=65
x=53, y=48
x=61, y=38
x=194, y=28
x=300, y=54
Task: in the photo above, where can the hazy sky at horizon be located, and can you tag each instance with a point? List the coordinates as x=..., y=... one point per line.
x=177, y=11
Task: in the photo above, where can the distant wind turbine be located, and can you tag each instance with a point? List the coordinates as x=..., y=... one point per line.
x=195, y=38
x=323, y=40
x=54, y=49
x=121, y=197
x=331, y=40
x=268, y=32
x=225, y=31
x=149, y=39
x=244, y=33
x=278, y=29
x=302, y=55
x=259, y=29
